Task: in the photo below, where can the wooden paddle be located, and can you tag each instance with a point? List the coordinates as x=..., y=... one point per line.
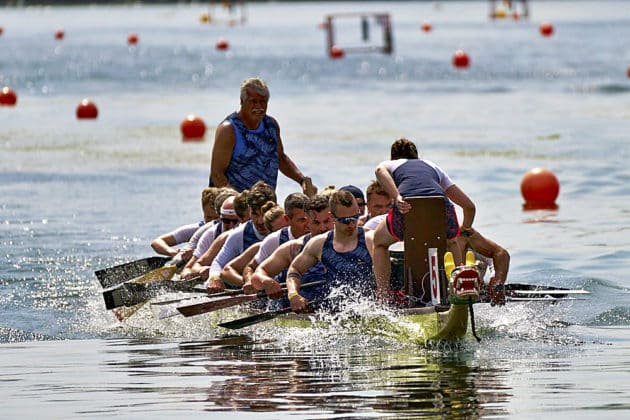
x=169, y=308
x=112, y=276
x=164, y=273
x=222, y=303
x=255, y=319
x=131, y=293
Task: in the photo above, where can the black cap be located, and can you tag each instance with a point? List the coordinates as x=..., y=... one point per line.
x=355, y=191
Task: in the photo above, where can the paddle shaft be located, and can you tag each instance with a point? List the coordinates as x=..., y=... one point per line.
x=216, y=304
x=257, y=318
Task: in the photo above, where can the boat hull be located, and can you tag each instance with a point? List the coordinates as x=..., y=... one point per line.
x=419, y=325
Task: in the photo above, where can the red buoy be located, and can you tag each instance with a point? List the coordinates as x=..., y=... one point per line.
x=540, y=188
x=546, y=29
x=222, y=45
x=1, y=30
x=193, y=128
x=7, y=97
x=59, y=34
x=461, y=59
x=426, y=26
x=336, y=52
x=87, y=110
x=132, y=39
x=628, y=72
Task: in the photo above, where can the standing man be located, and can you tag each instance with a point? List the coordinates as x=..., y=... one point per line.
x=248, y=148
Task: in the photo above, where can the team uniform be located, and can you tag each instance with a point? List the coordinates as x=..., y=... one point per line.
x=373, y=222
x=255, y=154
x=238, y=240
x=316, y=273
x=184, y=233
x=196, y=237
x=206, y=239
x=352, y=269
x=272, y=242
x=419, y=178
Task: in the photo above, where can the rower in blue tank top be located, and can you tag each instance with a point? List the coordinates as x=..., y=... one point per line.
x=248, y=148
x=343, y=252
x=352, y=268
x=265, y=275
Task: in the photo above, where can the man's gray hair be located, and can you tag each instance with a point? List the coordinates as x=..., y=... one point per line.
x=256, y=84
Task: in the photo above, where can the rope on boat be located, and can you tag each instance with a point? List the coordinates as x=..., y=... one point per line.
x=472, y=319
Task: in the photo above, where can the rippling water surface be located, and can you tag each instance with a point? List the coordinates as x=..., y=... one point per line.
x=77, y=196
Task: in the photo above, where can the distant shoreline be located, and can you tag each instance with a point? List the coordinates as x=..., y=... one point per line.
x=21, y=3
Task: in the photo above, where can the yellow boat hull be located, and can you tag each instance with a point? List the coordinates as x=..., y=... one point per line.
x=417, y=325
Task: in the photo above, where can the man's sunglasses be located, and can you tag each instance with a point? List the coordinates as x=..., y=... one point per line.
x=349, y=219
x=229, y=221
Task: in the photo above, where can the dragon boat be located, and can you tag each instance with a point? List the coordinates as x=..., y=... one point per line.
x=438, y=295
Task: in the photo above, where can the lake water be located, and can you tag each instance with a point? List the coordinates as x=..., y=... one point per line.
x=77, y=196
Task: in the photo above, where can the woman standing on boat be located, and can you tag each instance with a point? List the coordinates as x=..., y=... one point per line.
x=405, y=175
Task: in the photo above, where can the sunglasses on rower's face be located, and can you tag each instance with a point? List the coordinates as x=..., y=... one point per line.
x=348, y=220
x=229, y=221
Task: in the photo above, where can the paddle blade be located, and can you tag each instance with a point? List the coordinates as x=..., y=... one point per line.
x=121, y=273
x=122, y=314
x=132, y=293
x=123, y=295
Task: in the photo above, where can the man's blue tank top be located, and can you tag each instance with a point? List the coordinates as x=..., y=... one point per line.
x=249, y=235
x=315, y=273
x=284, y=237
x=255, y=154
x=352, y=268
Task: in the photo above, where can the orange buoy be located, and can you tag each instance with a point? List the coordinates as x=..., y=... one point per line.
x=222, y=45
x=193, y=128
x=426, y=26
x=1, y=30
x=628, y=72
x=132, y=39
x=59, y=34
x=461, y=59
x=204, y=18
x=546, y=29
x=540, y=188
x=336, y=52
x=87, y=110
x=7, y=97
